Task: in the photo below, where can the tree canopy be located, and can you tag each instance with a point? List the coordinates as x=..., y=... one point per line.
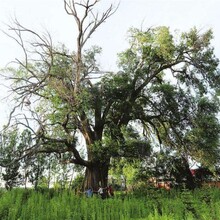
x=164, y=94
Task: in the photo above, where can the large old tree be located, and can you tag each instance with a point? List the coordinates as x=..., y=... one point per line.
x=165, y=87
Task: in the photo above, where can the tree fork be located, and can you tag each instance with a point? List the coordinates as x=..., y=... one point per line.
x=86, y=28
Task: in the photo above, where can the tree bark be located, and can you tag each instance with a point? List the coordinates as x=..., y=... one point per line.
x=96, y=175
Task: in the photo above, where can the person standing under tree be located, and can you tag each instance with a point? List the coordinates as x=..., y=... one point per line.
x=110, y=191
x=89, y=192
x=101, y=192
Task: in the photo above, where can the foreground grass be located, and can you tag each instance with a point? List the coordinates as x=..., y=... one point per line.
x=20, y=204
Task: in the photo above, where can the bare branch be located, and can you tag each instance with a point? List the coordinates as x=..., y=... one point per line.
x=86, y=27
x=42, y=77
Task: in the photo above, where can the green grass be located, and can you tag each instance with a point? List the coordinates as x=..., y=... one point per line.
x=21, y=204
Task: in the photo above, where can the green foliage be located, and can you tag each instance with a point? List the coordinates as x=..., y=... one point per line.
x=77, y=183
x=155, y=205
x=203, y=138
x=173, y=79
x=36, y=166
x=155, y=99
x=10, y=145
x=123, y=171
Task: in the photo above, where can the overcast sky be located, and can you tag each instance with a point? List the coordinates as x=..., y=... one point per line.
x=50, y=15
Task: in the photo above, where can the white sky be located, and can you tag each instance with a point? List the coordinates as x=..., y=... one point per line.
x=111, y=36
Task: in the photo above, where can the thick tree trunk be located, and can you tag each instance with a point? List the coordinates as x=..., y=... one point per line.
x=98, y=165
x=96, y=175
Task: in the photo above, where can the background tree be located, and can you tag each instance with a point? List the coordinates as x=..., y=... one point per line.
x=36, y=169
x=9, y=145
x=25, y=141
x=158, y=90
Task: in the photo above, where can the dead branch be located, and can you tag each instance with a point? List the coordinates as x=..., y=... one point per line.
x=87, y=22
x=40, y=77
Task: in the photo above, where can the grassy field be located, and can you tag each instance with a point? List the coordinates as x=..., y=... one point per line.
x=21, y=204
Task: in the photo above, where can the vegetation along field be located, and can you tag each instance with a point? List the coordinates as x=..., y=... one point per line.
x=20, y=204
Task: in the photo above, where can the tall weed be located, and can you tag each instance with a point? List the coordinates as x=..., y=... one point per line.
x=21, y=204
